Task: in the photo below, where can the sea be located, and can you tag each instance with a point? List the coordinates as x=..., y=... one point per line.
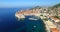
x=9, y=23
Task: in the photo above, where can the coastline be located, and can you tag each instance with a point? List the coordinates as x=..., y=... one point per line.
x=37, y=12
x=32, y=12
x=47, y=28
x=49, y=25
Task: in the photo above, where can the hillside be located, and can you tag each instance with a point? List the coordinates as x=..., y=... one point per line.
x=56, y=6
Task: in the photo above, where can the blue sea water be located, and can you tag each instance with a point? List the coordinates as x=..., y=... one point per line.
x=9, y=23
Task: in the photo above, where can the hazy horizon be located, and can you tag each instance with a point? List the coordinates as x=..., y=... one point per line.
x=27, y=3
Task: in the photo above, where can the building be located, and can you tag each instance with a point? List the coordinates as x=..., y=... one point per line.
x=56, y=21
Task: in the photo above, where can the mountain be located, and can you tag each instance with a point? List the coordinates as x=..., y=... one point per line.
x=56, y=6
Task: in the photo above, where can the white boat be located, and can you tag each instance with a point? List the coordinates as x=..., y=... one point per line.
x=32, y=19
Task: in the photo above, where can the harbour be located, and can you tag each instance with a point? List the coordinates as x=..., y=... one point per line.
x=29, y=15
x=11, y=24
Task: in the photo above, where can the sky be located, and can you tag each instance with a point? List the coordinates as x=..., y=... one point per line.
x=20, y=3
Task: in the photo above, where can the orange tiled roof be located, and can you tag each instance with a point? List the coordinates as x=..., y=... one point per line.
x=27, y=12
x=54, y=30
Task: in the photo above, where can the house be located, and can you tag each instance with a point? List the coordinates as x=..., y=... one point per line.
x=54, y=30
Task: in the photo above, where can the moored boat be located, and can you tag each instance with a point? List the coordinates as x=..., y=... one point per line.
x=32, y=19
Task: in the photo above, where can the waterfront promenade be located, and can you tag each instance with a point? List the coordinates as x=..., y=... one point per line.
x=46, y=25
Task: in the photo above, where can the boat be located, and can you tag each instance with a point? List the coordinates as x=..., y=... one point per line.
x=32, y=19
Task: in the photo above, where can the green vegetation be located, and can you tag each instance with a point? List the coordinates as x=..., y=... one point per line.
x=36, y=7
x=55, y=9
x=41, y=15
x=57, y=17
x=56, y=6
x=45, y=19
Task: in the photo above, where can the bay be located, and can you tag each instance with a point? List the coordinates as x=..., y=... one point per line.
x=9, y=23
